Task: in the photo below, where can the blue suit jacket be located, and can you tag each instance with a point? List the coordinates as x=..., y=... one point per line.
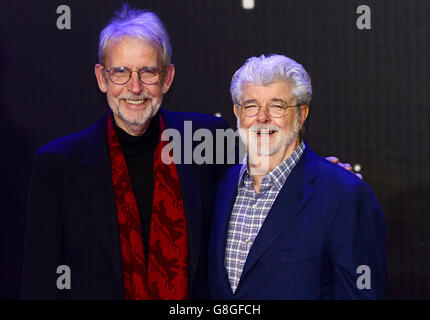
x=323, y=225
x=72, y=216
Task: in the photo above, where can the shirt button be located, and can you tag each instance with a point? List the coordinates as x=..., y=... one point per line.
x=254, y=206
x=247, y=241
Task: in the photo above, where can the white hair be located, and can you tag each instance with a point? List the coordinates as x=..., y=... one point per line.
x=140, y=24
x=266, y=70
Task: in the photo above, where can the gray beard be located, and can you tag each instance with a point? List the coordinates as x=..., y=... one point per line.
x=140, y=120
x=266, y=151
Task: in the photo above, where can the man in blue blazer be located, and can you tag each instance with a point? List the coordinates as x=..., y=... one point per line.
x=287, y=223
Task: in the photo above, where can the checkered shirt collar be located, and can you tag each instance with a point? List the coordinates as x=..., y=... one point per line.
x=278, y=175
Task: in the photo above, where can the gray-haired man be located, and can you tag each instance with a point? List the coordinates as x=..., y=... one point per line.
x=289, y=224
x=107, y=218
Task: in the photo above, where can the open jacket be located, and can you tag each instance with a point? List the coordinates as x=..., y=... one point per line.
x=72, y=216
x=321, y=232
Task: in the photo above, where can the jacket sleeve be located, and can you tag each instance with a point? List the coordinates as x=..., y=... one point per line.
x=358, y=246
x=43, y=236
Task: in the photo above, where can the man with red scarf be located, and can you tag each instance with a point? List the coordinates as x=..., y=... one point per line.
x=103, y=203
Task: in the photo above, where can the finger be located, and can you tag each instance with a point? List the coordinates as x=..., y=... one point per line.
x=347, y=166
x=333, y=159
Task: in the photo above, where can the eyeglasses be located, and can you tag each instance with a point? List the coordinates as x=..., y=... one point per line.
x=121, y=75
x=276, y=109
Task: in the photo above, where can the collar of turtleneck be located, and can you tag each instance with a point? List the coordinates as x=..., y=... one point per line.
x=136, y=144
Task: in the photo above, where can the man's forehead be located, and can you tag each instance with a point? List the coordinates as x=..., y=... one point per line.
x=116, y=40
x=275, y=91
x=120, y=48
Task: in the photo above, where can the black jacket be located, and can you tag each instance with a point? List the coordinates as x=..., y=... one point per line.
x=72, y=217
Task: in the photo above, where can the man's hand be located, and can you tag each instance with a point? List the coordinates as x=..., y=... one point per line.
x=346, y=166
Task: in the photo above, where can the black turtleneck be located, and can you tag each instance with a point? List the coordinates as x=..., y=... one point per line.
x=139, y=153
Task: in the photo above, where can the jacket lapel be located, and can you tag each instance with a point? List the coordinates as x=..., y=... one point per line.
x=97, y=190
x=294, y=194
x=226, y=196
x=191, y=196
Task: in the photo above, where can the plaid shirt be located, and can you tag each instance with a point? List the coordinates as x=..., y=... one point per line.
x=250, y=211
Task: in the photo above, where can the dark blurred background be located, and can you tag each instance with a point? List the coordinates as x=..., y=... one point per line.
x=371, y=90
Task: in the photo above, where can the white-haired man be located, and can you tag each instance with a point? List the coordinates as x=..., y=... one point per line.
x=104, y=211
x=287, y=223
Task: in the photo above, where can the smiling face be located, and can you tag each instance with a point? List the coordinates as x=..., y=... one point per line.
x=263, y=134
x=133, y=104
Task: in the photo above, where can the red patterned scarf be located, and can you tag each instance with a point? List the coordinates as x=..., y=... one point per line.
x=166, y=275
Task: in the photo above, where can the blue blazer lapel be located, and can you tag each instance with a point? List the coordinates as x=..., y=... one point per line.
x=291, y=198
x=226, y=196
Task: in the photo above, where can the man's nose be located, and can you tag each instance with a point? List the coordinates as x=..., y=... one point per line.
x=263, y=115
x=134, y=84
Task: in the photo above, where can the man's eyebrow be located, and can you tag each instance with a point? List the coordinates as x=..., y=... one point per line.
x=250, y=101
x=278, y=100
x=140, y=69
x=119, y=67
x=149, y=68
x=271, y=100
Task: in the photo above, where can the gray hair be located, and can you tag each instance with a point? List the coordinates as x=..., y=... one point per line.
x=140, y=24
x=266, y=70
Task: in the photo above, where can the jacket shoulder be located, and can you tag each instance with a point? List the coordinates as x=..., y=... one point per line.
x=337, y=178
x=72, y=145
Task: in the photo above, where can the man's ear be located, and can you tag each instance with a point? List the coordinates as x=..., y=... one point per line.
x=304, y=111
x=236, y=110
x=168, y=79
x=101, y=80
